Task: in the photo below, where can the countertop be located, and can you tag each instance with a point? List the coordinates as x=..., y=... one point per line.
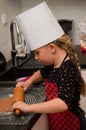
x=9, y=121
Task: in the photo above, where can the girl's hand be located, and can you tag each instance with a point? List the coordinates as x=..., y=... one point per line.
x=22, y=84
x=21, y=106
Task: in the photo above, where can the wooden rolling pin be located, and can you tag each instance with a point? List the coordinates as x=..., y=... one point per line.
x=18, y=95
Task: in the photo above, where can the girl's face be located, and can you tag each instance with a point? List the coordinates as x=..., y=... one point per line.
x=44, y=55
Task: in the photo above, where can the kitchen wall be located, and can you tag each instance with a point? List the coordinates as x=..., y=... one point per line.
x=8, y=10
x=62, y=9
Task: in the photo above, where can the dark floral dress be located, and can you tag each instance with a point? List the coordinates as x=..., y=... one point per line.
x=64, y=82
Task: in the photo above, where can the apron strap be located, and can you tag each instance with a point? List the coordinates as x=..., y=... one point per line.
x=64, y=59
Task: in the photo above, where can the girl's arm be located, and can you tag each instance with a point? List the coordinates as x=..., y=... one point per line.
x=52, y=106
x=35, y=78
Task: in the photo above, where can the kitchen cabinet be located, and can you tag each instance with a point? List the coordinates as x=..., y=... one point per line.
x=42, y=123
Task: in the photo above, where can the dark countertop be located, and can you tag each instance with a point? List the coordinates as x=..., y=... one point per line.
x=8, y=121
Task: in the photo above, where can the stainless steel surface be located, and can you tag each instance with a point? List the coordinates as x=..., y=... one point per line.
x=14, y=27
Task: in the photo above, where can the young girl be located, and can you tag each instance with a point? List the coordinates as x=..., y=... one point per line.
x=61, y=73
x=63, y=83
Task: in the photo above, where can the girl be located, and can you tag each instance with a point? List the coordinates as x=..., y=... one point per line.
x=63, y=82
x=61, y=74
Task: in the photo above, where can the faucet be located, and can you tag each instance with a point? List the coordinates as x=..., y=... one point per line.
x=19, y=40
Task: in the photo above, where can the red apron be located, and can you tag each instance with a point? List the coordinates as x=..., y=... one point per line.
x=63, y=120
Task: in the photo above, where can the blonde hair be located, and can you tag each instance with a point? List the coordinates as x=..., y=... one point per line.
x=65, y=43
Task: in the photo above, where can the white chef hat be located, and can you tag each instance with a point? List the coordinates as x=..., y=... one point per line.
x=39, y=26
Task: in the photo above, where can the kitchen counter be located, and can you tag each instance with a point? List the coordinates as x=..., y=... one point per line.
x=9, y=121
x=23, y=63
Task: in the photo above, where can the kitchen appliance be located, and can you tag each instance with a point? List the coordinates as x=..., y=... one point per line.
x=66, y=24
x=2, y=62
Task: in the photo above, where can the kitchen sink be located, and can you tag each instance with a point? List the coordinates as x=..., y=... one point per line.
x=14, y=73
x=25, y=69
